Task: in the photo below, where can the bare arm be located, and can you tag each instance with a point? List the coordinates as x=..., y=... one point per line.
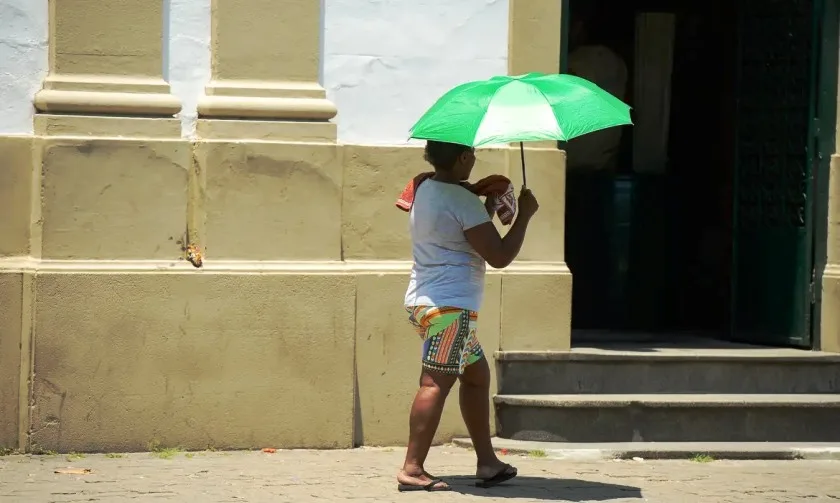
x=499, y=252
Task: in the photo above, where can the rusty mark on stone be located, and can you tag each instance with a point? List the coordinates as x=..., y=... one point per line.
x=194, y=256
x=191, y=251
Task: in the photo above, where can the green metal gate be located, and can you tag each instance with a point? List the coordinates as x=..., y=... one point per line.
x=773, y=262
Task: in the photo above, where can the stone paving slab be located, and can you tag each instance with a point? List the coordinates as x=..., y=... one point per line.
x=369, y=475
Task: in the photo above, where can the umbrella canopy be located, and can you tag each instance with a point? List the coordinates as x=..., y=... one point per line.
x=532, y=107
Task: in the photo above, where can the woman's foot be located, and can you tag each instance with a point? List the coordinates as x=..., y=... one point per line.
x=421, y=481
x=494, y=473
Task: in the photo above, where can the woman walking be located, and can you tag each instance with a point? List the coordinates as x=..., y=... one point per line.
x=452, y=237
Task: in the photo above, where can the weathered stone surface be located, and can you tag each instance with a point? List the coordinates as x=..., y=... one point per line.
x=193, y=360
x=114, y=199
x=369, y=475
x=11, y=307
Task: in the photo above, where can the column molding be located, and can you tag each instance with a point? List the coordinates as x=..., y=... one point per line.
x=98, y=66
x=273, y=81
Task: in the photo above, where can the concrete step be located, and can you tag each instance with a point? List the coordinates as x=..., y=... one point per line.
x=697, y=451
x=669, y=418
x=625, y=369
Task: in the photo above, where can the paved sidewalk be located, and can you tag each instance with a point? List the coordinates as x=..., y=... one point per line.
x=815, y=451
x=369, y=475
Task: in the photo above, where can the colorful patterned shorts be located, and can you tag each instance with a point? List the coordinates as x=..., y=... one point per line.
x=449, y=340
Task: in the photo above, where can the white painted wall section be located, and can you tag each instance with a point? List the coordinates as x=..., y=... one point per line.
x=387, y=61
x=23, y=62
x=188, y=59
x=384, y=61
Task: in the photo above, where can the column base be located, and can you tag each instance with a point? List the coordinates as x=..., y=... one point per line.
x=106, y=95
x=290, y=101
x=244, y=107
x=106, y=103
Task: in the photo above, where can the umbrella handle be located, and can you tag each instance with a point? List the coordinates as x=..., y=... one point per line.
x=522, y=155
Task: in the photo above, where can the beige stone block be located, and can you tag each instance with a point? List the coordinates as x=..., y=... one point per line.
x=388, y=361
x=833, y=244
x=16, y=169
x=372, y=227
x=193, y=360
x=536, y=312
x=272, y=201
x=286, y=131
x=830, y=319
x=534, y=36
x=545, y=170
x=114, y=199
x=11, y=307
x=107, y=127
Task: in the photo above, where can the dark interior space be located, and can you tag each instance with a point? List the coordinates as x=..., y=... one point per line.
x=700, y=219
x=651, y=251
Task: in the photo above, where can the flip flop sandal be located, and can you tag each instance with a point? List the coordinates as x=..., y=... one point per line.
x=506, y=473
x=430, y=487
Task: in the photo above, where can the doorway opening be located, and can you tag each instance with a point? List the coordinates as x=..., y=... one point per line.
x=699, y=220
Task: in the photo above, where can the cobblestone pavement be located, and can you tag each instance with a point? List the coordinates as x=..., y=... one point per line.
x=369, y=475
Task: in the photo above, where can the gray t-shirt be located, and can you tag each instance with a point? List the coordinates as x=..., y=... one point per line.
x=447, y=270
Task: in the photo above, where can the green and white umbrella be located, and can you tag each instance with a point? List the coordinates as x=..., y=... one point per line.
x=532, y=107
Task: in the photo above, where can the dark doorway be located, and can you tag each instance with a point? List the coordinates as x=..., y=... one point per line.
x=716, y=237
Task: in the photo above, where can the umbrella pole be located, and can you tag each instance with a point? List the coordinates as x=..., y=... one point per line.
x=522, y=155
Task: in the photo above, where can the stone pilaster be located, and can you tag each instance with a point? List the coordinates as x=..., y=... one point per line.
x=830, y=320
x=105, y=59
x=540, y=282
x=265, y=72
x=534, y=37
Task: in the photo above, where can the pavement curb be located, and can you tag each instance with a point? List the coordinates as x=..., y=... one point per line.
x=665, y=451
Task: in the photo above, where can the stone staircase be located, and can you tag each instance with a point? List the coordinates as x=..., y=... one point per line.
x=647, y=393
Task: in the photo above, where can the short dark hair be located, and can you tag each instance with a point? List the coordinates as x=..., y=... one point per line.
x=443, y=155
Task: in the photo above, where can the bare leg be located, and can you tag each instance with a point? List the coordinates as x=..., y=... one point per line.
x=425, y=418
x=475, y=409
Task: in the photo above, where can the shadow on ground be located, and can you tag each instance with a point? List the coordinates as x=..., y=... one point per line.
x=548, y=489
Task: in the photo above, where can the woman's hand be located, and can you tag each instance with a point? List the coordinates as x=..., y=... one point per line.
x=528, y=204
x=489, y=203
